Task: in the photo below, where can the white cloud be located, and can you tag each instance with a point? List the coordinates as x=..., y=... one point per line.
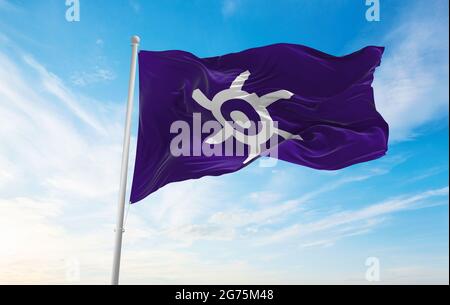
x=175, y=217
x=98, y=75
x=99, y=72
x=350, y=222
x=265, y=197
x=59, y=168
x=55, y=86
x=260, y=217
x=27, y=237
x=7, y=171
x=411, y=86
x=430, y=172
x=203, y=219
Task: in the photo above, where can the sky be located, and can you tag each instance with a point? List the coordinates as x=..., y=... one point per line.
x=63, y=89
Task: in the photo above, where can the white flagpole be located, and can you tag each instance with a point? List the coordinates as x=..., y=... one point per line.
x=135, y=40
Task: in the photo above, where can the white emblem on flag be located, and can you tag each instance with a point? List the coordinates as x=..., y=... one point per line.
x=259, y=104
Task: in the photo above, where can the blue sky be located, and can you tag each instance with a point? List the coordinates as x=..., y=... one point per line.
x=62, y=99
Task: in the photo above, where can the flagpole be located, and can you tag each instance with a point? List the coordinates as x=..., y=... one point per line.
x=135, y=40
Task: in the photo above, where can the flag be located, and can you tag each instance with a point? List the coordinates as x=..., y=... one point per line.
x=212, y=116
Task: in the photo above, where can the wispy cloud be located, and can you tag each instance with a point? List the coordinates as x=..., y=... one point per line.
x=265, y=197
x=59, y=164
x=427, y=173
x=98, y=75
x=199, y=222
x=99, y=72
x=413, y=79
x=357, y=220
x=55, y=86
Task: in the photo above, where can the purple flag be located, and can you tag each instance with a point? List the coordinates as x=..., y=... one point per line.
x=211, y=116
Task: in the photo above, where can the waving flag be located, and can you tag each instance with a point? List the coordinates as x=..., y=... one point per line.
x=212, y=116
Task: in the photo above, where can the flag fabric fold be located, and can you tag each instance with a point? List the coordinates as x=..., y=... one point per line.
x=319, y=108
